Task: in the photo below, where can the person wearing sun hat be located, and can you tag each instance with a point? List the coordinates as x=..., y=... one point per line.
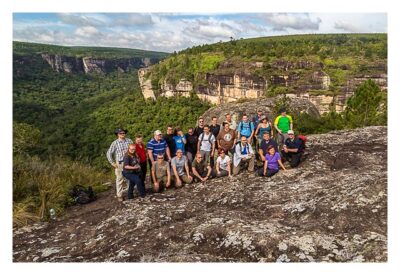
x=115, y=156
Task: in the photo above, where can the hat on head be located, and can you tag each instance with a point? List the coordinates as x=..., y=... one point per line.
x=119, y=130
x=290, y=132
x=157, y=132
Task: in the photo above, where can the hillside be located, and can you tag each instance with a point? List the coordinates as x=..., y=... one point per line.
x=333, y=208
x=326, y=69
x=76, y=110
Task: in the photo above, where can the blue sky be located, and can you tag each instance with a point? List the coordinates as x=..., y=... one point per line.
x=175, y=31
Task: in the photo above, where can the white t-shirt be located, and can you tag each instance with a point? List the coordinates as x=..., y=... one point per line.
x=223, y=163
x=205, y=145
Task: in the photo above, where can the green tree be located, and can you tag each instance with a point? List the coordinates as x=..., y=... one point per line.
x=367, y=106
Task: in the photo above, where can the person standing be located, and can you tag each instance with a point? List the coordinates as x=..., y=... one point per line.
x=169, y=138
x=215, y=128
x=226, y=138
x=246, y=129
x=206, y=144
x=232, y=123
x=131, y=171
x=243, y=154
x=191, y=145
x=200, y=127
x=179, y=140
x=283, y=123
x=115, y=156
x=141, y=152
x=257, y=118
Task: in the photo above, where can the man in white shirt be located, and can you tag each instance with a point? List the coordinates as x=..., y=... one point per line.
x=243, y=154
x=206, y=144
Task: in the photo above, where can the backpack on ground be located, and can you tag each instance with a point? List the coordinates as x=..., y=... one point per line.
x=83, y=195
x=303, y=142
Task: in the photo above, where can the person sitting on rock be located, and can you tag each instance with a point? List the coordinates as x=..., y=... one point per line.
x=132, y=172
x=272, y=160
x=243, y=154
x=180, y=169
x=161, y=174
x=223, y=166
x=265, y=143
x=292, y=150
x=201, y=170
x=283, y=123
x=246, y=129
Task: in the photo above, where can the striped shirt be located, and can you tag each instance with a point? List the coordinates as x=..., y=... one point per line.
x=157, y=147
x=118, y=147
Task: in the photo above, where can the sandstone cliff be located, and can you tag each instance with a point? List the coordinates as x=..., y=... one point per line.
x=300, y=79
x=332, y=209
x=70, y=64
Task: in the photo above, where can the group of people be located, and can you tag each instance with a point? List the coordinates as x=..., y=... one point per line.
x=177, y=158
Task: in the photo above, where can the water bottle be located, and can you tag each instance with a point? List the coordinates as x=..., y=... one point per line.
x=52, y=214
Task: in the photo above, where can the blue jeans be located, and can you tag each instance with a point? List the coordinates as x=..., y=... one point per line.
x=134, y=179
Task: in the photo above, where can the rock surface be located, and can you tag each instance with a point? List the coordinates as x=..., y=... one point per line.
x=332, y=208
x=296, y=106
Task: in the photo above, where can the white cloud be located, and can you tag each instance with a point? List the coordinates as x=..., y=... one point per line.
x=86, y=31
x=83, y=19
x=347, y=26
x=135, y=19
x=284, y=21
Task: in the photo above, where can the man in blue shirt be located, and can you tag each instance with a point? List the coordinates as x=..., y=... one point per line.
x=246, y=129
x=157, y=146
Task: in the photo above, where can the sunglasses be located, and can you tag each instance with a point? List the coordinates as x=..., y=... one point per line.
x=122, y=133
x=160, y=158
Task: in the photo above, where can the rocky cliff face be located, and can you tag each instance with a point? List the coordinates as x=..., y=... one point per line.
x=333, y=208
x=68, y=64
x=235, y=81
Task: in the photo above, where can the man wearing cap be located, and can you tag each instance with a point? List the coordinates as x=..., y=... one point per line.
x=118, y=148
x=283, y=123
x=157, y=146
x=292, y=150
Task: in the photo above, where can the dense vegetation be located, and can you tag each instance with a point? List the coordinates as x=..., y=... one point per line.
x=367, y=107
x=22, y=48
x=341, y=56
x=64, y=124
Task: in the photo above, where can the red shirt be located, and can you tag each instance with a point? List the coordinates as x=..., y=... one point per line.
x=141, y=152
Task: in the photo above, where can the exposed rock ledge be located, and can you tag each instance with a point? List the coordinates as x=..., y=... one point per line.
x=332, y=208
